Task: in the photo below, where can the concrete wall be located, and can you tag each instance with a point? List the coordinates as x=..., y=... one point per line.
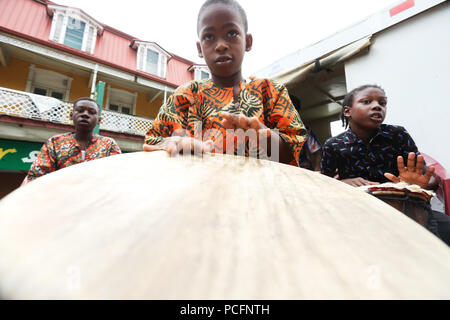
x=14, y=75
x=411, y=61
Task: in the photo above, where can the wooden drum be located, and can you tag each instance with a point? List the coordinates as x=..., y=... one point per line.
x=146, y=226
x=409, y=199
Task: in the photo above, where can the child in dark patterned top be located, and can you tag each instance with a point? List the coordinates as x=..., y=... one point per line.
x=370, y=152
x=200, y=115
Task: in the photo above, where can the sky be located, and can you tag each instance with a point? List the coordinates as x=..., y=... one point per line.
x=279, y=27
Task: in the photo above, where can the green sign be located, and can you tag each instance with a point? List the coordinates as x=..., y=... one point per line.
x=18, y=155
x=99, y=94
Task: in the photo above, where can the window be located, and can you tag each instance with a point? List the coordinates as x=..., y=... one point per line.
x=122, y=108
x=124, y=103
x=204, y=75
x=200, y=71
x=151, y=58
x=41, y=91
x=74, y=33
x=48, y=92
x=74, y=28
x=152, y=62
x=121, y=101
x=48, y=83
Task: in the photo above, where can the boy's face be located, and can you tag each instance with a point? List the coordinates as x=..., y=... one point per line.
x=222, y=40
x=368, y=109
x=85, y=115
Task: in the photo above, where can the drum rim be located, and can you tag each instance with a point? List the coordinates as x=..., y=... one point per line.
x=376, y=191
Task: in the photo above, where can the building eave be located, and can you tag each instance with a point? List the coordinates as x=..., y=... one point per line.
x=134, y=44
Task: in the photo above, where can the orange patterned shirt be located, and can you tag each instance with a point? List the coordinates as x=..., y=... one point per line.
x=199, y=102
x=64, y=150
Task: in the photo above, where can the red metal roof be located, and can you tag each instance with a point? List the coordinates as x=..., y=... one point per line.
x=177, y=71
x=29, y=19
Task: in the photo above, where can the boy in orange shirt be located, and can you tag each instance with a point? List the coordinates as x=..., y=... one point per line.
x=206, y=115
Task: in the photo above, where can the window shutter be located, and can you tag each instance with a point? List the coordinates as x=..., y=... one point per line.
x=163, y=66
x=57, y=27
x=90, y=39
x=63, y=29
x=140, y=57
x=84, y=41
x=196, y=74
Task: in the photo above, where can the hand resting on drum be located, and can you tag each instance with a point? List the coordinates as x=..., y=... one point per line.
x=239, y=121
x=176, y=145
x=359, y=182
x=181, y=143
x=414, y=173
x=235, y=122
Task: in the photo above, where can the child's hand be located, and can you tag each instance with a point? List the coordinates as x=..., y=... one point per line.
x=251, y=129
x=180, y=145
x=239, y=121
x=412, y=174
x=260, y=139
x=358, y=182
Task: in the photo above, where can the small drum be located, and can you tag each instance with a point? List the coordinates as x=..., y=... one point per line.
x=412, y=200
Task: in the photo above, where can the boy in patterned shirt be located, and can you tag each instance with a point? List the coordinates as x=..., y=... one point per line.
x=212, y=112
x=71, y=148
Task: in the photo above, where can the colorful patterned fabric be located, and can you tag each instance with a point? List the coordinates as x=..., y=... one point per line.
x=199, y=103
x=64, y=150
x=350, y=157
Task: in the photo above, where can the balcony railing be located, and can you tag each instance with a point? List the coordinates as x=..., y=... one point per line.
x=32, y=106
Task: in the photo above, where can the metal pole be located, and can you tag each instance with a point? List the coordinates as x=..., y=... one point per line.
x=99, y=94
x=165, y=94
x=94, y=82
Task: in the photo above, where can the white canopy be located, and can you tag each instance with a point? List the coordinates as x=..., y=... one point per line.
x=330, y=59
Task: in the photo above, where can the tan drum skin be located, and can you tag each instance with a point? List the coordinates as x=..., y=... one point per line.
x=146, y=226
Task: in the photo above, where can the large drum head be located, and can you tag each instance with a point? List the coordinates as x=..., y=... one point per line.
x=145, y=226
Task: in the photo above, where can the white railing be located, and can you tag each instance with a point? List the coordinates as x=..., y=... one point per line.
x=32, y=106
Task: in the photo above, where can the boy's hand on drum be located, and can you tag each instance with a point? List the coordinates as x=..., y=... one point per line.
x=359, y=182
x=251, y=128
x=239, y=121
x=412, y=173
x=176, y=145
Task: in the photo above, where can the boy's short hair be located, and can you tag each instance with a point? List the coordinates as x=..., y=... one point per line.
x=86, y=99
x=232, y=3
x=348, y=100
